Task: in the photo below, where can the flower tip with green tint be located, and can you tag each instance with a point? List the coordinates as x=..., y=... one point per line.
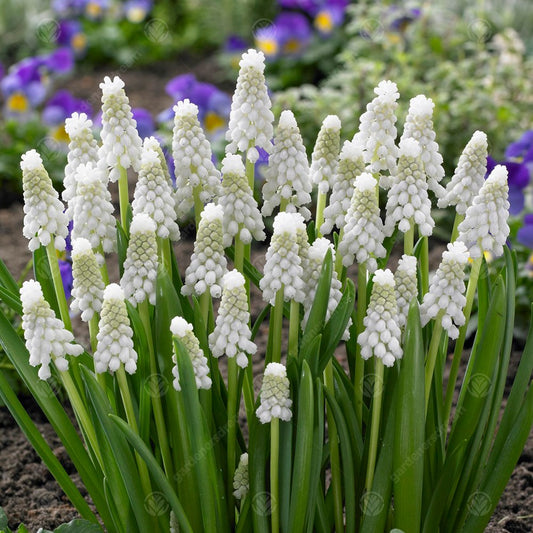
x=275, y=395
x=241, y=483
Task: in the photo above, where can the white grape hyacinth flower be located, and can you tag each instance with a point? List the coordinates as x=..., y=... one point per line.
x=121, y=143
x=88, y=286
x=378, y=131
x=140, y=266
x=408, y=201
x=241, y=483
x=251, y=119
x=351, y=165
x=283, y=264
x=82, y=149
x=44, y=219
x=406, y=286
x=381, y=336
x=325, y=157
x=275, y=395
x=469, y=175
x=115, y=336
x=485, y=227
x=232, y=334
x=446, y=292
x=194, y=167
x=287, y=177
x=363, y=232
x=181, y=329
x=241, y=214
x=154, y=196
x=151, y=143
x=93, y=211
x=419, y=126
x=208, y=261
x=46, y=338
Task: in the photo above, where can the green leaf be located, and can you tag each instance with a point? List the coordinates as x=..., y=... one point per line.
x=7, y=280
x=11, y=299
x=42, y=273
x=78, y=526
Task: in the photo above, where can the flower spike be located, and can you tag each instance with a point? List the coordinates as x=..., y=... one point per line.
x=326, y=153
x=241, y=484
x=275, y=395
x=406, y=286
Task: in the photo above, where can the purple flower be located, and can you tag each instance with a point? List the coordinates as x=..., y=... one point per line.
x=145, y=122
x=521, y=149
x=305, y=5
x=518, y=180
x=71, y=34
x=2, y=72
x=137, y=10
x=95, y=9
x=525, y=233
x=288, y=35
x=234, y=44
x=60, y=61
x=23, y=87
x=69, y=7
x=61, y=106
x=402, y=17
x=65, y=268
x=180, y=86
x=329, y=16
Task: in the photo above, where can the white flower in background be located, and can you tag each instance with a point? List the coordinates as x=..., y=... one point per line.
x=82, y=149
x=192, y=160
x=241, y=214
x=419, y=126
x=92, y=209
x=381, y=336
x=46, y=338
x=208, y=262
x=151, y=143
x=363, y=232
x=283, y=264
x=469, y=174
x=275, y=395
x=154, y=196
x=88, y=286
x=241, y=483
x=250, y=120
x=316, y=255
x=326, y=154
x=115, y=344
x=232, y=334
x=485, y=227
x=378, y=130
x=44, y=219
x=406, y=286
x=121, y=144
x=446, y=292
x=181, y=329
x=140, y=266
x=351, y=165
x=408, y=197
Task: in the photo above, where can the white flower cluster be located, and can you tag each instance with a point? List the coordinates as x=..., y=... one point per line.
x=88, y=286
x=114, y=339
x=241, y=483
x=82, y=149
x=351, y=165
x=92, y=209
x=446, y=293
x=469, y=174
x=275, y=395
x=382, y=334
x=140, y=266
x=485, y=227
x=241, y=214
x=232, y=334
x=250, y=120
x=325, y=155
x=378, y=130
x=363, y=232
x=208, y=262
x=406, y=286
x=121, y=144
x=184, y=332
x=419, y=126
x=154, y=196
x=408, y=198
x=45, y=335
x=283, y=264
x=302, y=240
x=194, y=167
x=287, y=174
x=44, y=219
x=151, y=143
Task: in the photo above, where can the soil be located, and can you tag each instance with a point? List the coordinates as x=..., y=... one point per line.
x=28, y=493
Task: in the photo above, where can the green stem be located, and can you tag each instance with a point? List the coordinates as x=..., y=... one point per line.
x=103, y=266
x=409, y=239
x=424, y=266
x=205, y=301
x=239, y=255
x=93, y=331
x=198, y=204
x=277, y=326
x=359, y=371
x=232, y=431
x=334, y=455
x=144, y=313
x=123, y=197
x=274, y=473
x=338, y=257
x=374, y=428
x=58, y=284
x=459, y=345
x=455, y=231
x=25, y=271
x=432, y=355
x=320, y=206
x=294, y=328
x=283, y=203
x=250, y=173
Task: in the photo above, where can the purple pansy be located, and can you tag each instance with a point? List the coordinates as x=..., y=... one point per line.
x=145, y=122
x=60, y=61
x=288, y=35
x=69, y=7
x=70, y=33
x=525, y=233
x=65, y=269
x=518, y=180
x=137, y=10
x=401, y=17
x=522, y=149
x=234, y=44
x=61, y=106
x=95, y=9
